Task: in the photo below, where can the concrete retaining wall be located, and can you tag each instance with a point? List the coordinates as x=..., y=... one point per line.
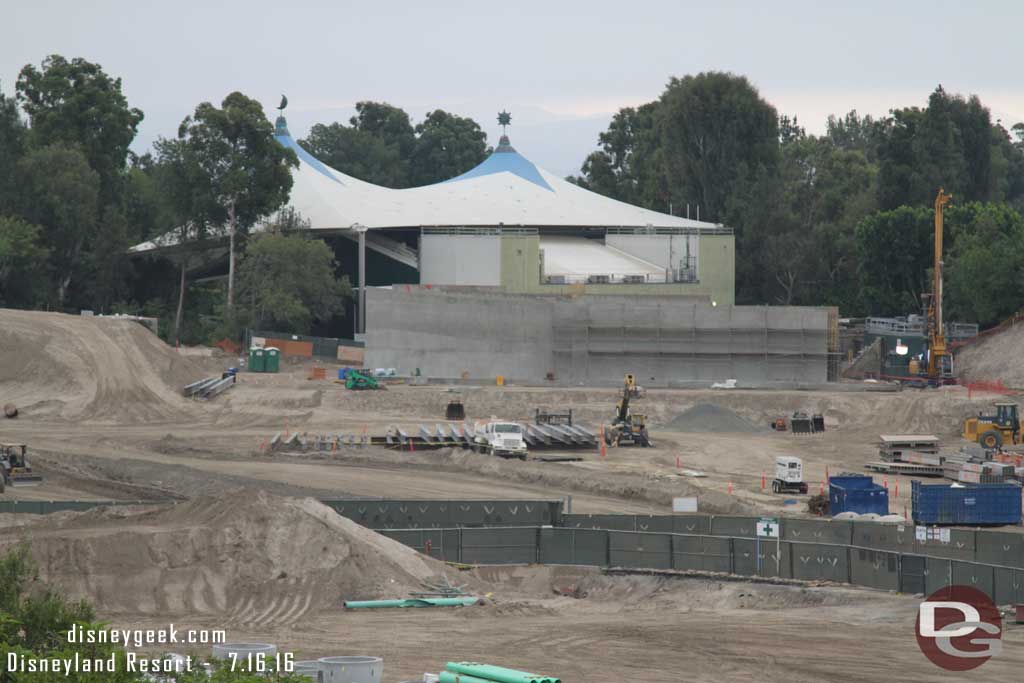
x=593, y=339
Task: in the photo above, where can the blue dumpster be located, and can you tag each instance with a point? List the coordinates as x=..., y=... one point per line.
x=856, y=493
x=965, y=503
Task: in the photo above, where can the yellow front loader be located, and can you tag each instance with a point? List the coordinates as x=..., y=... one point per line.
x=993, y=431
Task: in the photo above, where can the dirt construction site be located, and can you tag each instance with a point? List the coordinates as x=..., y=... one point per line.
x=228, y=532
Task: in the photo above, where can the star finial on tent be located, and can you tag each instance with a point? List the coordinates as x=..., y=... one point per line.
x=504, y=120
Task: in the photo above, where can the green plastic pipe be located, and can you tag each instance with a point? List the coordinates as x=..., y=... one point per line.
x=411, y=602
x=449, y=677
x=498, y=673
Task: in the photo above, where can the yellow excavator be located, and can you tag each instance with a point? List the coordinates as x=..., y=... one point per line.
x=627, y=428
x=993, y=431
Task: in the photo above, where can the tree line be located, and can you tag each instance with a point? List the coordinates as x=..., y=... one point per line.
x=74, y=198
x=843, y=218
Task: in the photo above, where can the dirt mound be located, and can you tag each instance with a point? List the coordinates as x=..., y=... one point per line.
x=994, y=358
x=707, y=417
x=79, y=368
x=250, y=557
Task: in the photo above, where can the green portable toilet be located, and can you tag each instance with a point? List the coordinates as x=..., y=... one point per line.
x=272, y=359
x=257, y=360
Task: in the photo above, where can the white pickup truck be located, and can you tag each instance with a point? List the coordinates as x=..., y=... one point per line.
x=501, y=438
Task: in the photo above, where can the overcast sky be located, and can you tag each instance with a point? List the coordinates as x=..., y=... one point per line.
x=562, y=68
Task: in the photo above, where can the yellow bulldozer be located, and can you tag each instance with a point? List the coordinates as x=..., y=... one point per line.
x=993, y=431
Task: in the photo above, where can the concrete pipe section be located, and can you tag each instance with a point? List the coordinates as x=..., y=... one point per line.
x=308, y=669
x=351, y=669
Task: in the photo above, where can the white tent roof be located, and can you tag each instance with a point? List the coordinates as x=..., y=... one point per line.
x=505, y=189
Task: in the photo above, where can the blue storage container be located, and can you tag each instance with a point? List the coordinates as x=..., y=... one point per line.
x=965, y=503
x=856, y=493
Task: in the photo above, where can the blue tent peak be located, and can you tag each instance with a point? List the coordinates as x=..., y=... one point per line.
x=505, y=159
x=285, y=138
